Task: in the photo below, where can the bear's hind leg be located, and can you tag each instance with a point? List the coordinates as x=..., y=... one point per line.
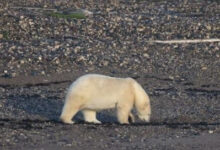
x=68, y=113
x=90, y=116
x=66, y=117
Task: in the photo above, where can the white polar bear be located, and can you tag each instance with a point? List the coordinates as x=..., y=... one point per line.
x=93, y=92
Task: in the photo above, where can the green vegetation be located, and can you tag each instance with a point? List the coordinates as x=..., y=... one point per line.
x=151, y=0
x=5, y=35
x=77, y=15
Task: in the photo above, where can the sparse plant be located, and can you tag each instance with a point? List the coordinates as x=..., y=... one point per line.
x=76, y=15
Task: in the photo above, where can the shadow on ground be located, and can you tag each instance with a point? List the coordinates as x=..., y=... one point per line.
x=49, y=107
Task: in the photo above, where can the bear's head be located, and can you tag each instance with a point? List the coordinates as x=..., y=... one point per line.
x=144, y=112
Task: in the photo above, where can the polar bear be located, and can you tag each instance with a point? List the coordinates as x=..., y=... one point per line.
x=94, y=92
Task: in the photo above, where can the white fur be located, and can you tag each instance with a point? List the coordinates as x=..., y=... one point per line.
x=93, y=92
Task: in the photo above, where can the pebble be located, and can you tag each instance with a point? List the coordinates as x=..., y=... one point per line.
x=211, y=131
x=146, y=55
x=204, y=68
x=123, y=34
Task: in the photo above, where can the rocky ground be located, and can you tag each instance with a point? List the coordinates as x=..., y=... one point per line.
x=43, y=48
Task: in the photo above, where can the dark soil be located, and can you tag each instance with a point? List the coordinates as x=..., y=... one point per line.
x=41, y=55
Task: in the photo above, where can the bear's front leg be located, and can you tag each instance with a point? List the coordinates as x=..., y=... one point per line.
x=90, y=116
x=131, y=118
x=123, y=115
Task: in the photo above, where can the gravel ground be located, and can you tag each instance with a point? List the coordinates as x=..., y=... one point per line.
x=41, y=54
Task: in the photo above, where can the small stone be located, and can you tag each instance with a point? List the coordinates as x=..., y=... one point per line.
x=42, y=72
x=57, y=46
x=57, y=61
x=211, y=131
x=68, y=145
x=105, y=63
x=40, y=58
x=1, y=36
x=204, y=68
x=31, y=22
x=209, y=27
x=87, y=12
x=108, y=9
x=146, y=55
x=171, y=77
x=13, y=74
x=77, y=48
x=139, y=17
x=81, y=58
x=22, y=61
x=140, y=29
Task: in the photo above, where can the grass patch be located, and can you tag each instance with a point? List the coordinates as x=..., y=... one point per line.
x=5, y=35
x=68, y=16
x=152, y=0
